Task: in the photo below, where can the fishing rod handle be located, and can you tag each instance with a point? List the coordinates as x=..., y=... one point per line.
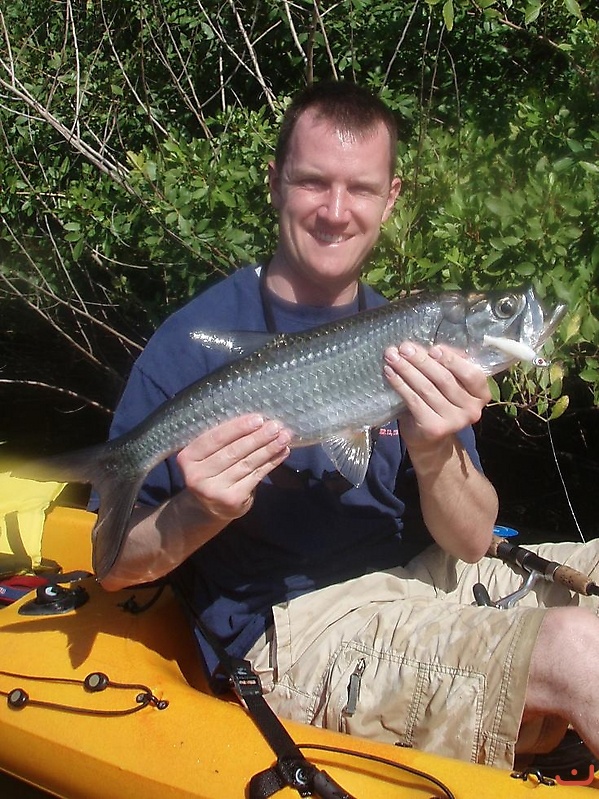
x=575, y=580
x=551, y=570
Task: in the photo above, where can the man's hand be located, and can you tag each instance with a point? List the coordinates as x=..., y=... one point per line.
x=443, y=391
x=223, y=466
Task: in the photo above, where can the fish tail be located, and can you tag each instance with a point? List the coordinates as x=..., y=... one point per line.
x=80, y=466
x=117, y=499
x=98, y=465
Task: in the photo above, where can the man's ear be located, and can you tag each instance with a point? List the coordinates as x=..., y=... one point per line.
x=394, y=193
x=274, y=185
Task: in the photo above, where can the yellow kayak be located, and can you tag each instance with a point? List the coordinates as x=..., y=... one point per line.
x=100, y=702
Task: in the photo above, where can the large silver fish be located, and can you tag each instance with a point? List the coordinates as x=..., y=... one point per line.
x=325, y=386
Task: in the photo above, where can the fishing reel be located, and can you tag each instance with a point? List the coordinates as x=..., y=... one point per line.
x=535, y=568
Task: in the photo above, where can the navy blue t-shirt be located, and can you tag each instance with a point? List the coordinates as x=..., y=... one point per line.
x=308, y=527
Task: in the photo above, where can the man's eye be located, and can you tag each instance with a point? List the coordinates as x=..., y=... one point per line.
x=312, y=184
x=362, y=191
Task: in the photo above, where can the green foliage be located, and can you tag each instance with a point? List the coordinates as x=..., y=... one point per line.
x=135, y=139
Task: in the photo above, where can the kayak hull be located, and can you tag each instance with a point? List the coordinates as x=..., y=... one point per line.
x=79, y=744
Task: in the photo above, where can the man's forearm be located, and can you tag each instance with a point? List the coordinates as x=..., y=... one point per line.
x=459, y=505
x=160, y=539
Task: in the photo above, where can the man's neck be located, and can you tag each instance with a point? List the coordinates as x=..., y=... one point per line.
x=287, y=284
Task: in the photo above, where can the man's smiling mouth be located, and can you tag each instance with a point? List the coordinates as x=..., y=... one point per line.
x=330, y=238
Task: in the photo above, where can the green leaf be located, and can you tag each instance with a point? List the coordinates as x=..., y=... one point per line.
x=78, y=249
x=572, y=327
x=560, y=407
x=526, y=270
x=573, y=8
x=500, y=206
x=494, y=389
x=448, y=14
x=563, y=164
x=150, y=170
x=589, y=375
x=532, y=12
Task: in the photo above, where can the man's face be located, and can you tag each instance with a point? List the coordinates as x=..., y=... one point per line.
x=332, y=194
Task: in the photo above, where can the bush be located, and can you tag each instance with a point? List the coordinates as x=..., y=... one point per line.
x=136, y=143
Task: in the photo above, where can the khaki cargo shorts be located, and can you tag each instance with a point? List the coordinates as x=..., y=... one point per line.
x=403, y=656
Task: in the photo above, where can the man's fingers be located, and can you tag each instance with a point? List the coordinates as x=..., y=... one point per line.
x=224, y=434
x=244, y=478
x=227, y=492
x=253, y=456
x=223, y=466
x=436, y=376
x=442, y=391
x=230, y=442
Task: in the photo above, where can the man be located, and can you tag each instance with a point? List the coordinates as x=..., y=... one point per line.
x=319, y=583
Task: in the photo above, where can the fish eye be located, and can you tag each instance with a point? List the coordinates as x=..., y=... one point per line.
x=506, y=306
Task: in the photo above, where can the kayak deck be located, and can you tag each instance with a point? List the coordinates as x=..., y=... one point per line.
x=199, y=745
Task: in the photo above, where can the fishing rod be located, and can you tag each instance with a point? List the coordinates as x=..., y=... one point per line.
x=537, y=568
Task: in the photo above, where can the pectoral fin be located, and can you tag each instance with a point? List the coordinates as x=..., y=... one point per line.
x=351, y=454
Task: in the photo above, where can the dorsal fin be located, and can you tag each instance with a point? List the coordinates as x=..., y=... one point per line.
x=237, y=343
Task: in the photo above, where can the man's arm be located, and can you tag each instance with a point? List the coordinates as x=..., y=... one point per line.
x=221, y=469
x=444, y=393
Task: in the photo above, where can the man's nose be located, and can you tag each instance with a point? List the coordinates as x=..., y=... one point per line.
x=335, y=208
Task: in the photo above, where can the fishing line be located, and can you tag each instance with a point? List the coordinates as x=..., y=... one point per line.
x=563, y=482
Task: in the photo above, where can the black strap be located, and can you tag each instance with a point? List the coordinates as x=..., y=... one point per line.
x=269, y=782
x=248, y=688
x=291, y=768
x=269, y=317
x=265, y=784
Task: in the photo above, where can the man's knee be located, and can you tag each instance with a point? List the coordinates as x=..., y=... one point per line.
x=575, y=626
x=563, y=660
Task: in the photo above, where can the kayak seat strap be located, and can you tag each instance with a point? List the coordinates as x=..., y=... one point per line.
x=291, y=768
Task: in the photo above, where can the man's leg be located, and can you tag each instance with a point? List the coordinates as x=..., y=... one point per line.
x=564, y=671
x=433, y=674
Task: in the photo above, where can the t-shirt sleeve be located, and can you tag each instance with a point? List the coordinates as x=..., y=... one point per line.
x=468, y=439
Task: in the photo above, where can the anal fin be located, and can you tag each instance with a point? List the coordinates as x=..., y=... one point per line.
x=351, y=454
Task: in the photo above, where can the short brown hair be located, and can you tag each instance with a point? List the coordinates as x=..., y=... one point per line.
x=349, y=107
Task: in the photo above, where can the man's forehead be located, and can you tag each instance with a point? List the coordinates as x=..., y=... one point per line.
x=313, y=118
x=312, y=126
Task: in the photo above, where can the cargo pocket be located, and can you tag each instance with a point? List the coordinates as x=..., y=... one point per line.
x=384, y=696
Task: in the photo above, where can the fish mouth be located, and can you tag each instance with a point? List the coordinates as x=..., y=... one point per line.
x=523, y=339
x=537, y=325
